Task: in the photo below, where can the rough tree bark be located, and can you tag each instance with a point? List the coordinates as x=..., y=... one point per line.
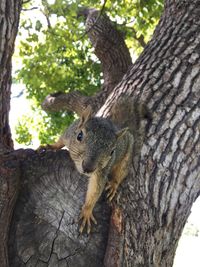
x=144, y=224
x=9, y=19
x=9, y=166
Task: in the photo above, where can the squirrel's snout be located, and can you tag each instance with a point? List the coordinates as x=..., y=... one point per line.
x=88, y=167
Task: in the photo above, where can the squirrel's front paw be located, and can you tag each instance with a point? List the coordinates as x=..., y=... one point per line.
x=86, y=216
x=111, y=187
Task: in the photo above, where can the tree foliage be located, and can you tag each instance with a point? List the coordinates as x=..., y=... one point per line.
x=57, y=56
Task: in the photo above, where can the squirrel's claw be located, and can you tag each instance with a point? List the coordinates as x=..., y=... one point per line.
x=82, y=226
x=111, y=195
x=112, y=189
x=87, y=217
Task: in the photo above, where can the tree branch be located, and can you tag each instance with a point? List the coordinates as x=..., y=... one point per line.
x=115, y=58
x=109, y=45
x=25, y=2
x=73, y=101
x=29, y=9
x=47, y=19
x=140, y=39
x=83, y=12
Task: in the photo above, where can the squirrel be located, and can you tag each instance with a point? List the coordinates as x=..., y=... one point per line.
x=103, y=152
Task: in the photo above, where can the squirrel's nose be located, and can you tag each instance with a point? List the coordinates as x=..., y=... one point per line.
x=87, y=167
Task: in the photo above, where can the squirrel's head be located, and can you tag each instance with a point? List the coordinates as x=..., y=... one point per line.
x=93, y=143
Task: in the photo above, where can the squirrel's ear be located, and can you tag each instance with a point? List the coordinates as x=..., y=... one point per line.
x=87, y=113
x=121, y=132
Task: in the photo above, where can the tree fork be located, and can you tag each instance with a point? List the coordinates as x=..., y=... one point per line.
x=115, y=59
x=155, y=199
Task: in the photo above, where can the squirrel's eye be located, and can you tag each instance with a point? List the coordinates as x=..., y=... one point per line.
x=80, y=136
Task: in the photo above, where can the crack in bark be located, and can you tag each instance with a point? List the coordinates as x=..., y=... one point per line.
x=54, y=240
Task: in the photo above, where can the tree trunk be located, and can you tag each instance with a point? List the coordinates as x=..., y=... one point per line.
x=144, y=223
x=9, y=165
x=156, y=201
x=9, y=20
